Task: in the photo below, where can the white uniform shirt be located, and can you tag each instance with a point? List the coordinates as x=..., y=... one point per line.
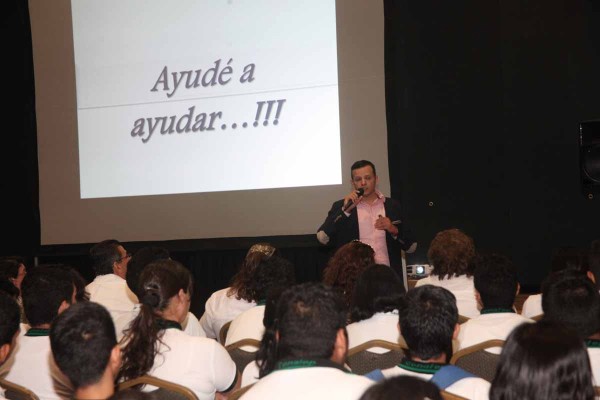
x=488, y=327
x=381, y=326
x=532, y=307
x=594, y=354
x=112, y=292
x=312, y=383
x=201, y=364
x=247, y=325
x=219, y=310
x=462, y=288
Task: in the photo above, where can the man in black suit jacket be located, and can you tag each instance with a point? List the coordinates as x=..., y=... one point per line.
x=342, y=223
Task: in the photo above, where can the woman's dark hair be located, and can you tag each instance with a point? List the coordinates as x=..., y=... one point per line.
x=378, y=289
x=348, y=262
x=546, y=361
x=450, y=253
x=403, y=387
x=243, y=282
x=158, y=283
x=9, y=266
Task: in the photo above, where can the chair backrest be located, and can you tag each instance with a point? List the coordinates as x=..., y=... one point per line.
x=12, y=391
x=223, y=333
x=597, y=389
x=241, y=357
x=450, y=396
x=362, y=361
x=476, y=360
x=462, y=319
x=537, y=318
x=166, y=390
x=236, y=394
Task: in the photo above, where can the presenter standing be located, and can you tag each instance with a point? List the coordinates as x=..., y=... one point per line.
x=367, y=215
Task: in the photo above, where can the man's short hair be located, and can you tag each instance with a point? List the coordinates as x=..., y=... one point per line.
x=428, y=317
x=43, y=290
x=403, y=387
x=570, y=298
x=361, y=164
x=139, y=260
x=104, y=255
x=495, y=278
x=82, y=339
x=10, y=317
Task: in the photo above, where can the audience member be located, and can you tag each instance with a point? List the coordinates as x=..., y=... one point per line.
x=346, y=264
x=84, y=346
x=571, y=299
x=403, y=387
x=543, y=361
x=13, y=269
x=496, y=287
x=374, y=307
x=10, y=316
x=429, y=323
x=156, y=345
x=302, y=356
x=226, y=304
x=46, y=291
x=450, y=254
x=271, y=274
x=109, y=288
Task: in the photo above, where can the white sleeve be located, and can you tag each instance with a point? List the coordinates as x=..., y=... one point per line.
x=192, y=327
x=224, y=369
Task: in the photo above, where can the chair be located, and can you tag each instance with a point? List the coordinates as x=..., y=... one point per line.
x=166, y=390
x=362, y=361
x=462, y=319
x=241, y=357
x=450, y=396
x=236, y=394
x=476, y=360
x=537, y=318
x=12, y=391
x=597, y=390
x=223, y=333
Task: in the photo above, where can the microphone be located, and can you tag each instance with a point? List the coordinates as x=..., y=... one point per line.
x=350, y=205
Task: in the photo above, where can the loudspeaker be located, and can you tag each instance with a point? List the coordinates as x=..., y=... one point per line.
x=589, y=157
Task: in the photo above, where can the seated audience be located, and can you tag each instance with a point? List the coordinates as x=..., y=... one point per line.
x=403, y=387
x=302, y=356
x=10, y=316
x=139, y=260
x=450, y=254
x=85, y=349
x=571, y=299
x=47, y=292
x=156, y=345
x=226, y=304
x=13, y=269
x=496, y=287
x=374, y=307
x=428, y=323
x=346, y=264
x=271, y=274
x=109, y=288
x=543, y=361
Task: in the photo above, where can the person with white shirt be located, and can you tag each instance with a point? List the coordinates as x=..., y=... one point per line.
x=496, y=287
x=450, y=253
x=109, y=260
x=10, y=316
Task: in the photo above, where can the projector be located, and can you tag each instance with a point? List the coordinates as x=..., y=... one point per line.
x=419, y=269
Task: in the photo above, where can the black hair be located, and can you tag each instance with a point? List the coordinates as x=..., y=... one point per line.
x=403, y=387
x=570, y=298
x=159, y=282
x=495, y=278
x=82, y=339
x=7, y=287
x=378, y=289
x=307, y=320
x=78, y=281
x=139, y=260
x=361, y=164
x=104, y=255
x=594, y=261
x=546, y=361
x=10, y=317
x=428, y=317
x=9, y=266
x=43, y=290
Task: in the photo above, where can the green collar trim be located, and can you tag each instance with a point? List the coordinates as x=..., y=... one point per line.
x=35, y=332
x=496, y=310
x=261, y=303
x=307, y=363
x=421, y=367
x=593, y=343
x=168, y=324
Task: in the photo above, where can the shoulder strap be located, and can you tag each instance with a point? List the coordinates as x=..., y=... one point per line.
x=448, y=375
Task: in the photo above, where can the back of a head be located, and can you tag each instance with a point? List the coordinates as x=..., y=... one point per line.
x=378, y=289
x=450, y=253
x=76, y=279
x=546, y=361
x=271, y=273
x=10, y=316
x=428, y=317
x=241, y=283
x=308, y=319
x=569, y=257
x=139, y=260
x=104, y=255
x=570, y=298
x=495, y=278
x=403, y=387
x=43, y=291
x=9, y=267
x=82, y=339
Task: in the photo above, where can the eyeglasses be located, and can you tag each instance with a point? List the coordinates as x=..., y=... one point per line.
x=127, y=255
